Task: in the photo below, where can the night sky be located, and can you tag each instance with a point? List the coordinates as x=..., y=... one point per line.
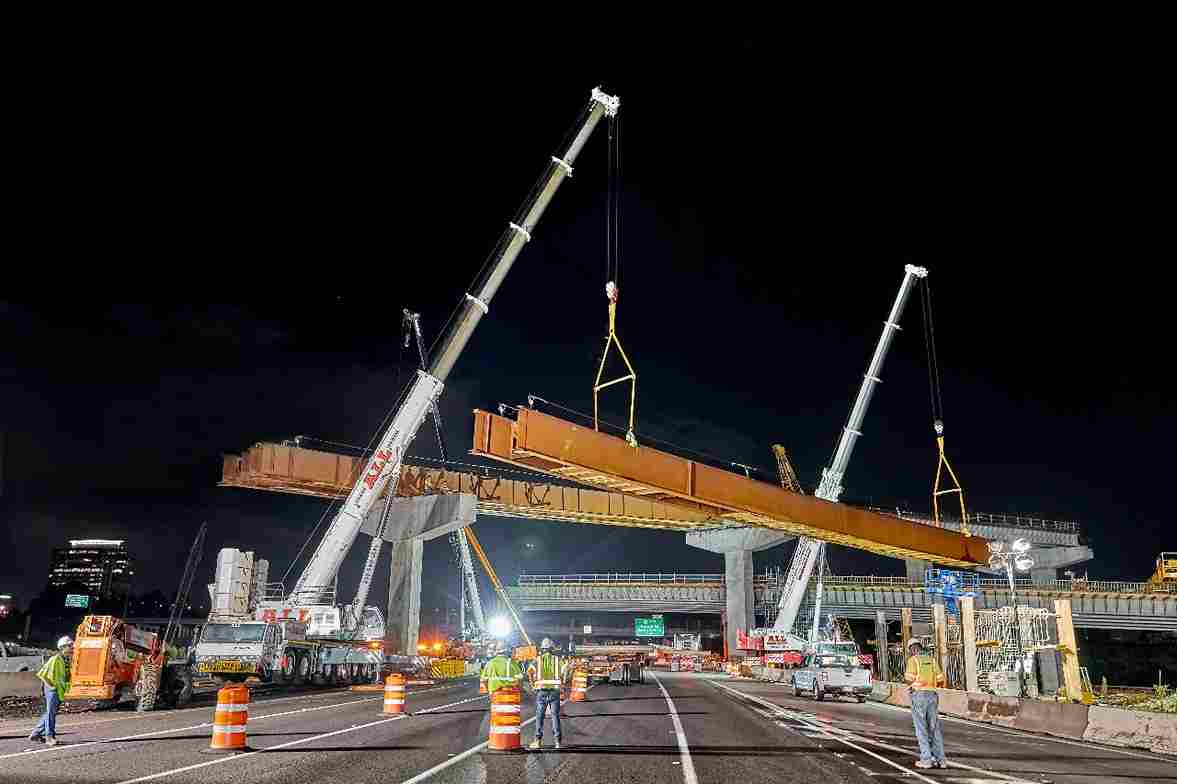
x=758, y=234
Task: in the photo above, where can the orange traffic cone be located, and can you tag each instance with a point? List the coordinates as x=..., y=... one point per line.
x=230, y=719
x=482, y=687
x=394, y=693
x=504, y=720
x=579, y=685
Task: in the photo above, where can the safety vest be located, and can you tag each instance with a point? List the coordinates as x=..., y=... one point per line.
x=55, y=674
x=547, y=672
x=926, y=672
x=499, y=672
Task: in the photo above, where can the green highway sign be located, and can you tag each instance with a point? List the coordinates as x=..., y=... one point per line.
x=77, y=600
x=649, y=627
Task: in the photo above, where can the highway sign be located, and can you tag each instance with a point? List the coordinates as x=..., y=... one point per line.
x=649, y=627
x=588, y=629
x=77, y=600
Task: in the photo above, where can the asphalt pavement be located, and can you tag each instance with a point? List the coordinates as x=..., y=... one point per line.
x=675, y=727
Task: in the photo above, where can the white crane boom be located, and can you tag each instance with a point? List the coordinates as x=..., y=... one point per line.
x=384, y=465
x=471, y=584
x=830, y=488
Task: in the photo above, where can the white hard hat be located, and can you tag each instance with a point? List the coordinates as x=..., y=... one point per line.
x=64, y=642
x=914, y=641
x=547, y=644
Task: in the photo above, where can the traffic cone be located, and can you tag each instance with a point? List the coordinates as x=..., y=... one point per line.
x=394, y=694
x=482, y=687
x=579, y=685
x=230, y=719
x=504, y=720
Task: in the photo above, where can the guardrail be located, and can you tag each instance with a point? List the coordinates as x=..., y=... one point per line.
x=985, y=518
x=619, y=577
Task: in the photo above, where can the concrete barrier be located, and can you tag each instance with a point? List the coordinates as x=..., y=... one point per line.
x=1139, y=729
x=19, y=684
x=880, y=691
x=1053, y=718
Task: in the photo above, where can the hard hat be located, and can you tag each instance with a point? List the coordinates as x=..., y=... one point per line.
x=914, y=641
x=547, y=644
x=64, y=642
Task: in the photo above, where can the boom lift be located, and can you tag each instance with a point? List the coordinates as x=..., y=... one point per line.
x=809, y=551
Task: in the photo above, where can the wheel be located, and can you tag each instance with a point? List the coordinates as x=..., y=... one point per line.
x=817, y=693
x=302, y=666
x=285, y=672
x=179, y=686
x=861, y=700
x=148, y=686
x=796, y=688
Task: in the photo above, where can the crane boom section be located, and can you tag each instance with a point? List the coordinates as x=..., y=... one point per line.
x=386, y=461
x=830, y=489
x=494, y=579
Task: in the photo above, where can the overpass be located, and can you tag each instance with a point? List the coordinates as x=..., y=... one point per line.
x=1095, y=604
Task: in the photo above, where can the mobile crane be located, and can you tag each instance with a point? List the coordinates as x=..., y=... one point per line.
x=809, y=551
x=313, y=595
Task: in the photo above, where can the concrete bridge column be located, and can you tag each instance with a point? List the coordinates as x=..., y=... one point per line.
x=737, y=545
x=411, y=523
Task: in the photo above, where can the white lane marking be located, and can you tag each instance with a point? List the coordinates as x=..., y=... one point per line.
x=71, y=746
x=777, y=709
x=67, y=724
x=288, y=744
x=684, y=751
x=453, y=760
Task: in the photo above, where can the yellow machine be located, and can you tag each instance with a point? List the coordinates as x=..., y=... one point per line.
x=116, y=662
x=1166, y=573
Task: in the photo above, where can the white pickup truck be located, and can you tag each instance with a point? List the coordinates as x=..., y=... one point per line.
x=20, y=658
x=833, y=674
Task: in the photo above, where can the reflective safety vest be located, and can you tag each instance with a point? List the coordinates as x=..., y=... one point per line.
x=925, y=671
x=55, y=674
x=547, y=672
x=499, y=672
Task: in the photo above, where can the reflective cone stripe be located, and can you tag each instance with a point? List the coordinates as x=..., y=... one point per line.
x=230, y=718
x=579, y=685
x=394, y=693
x=504, y=719
x=482, y=687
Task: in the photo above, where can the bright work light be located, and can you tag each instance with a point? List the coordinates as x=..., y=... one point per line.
x=499, y=626
x=1020, y=546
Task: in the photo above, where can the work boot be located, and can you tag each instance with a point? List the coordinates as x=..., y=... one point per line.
x=922, y=763
x=557, y=743
x=51, y=741
x=941, y=763
x=36, y=738
x=536, y=744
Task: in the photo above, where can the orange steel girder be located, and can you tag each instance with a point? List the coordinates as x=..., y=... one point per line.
x=564, y=449
x=291, y=469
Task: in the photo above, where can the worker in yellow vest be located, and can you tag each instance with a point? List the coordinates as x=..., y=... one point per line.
x=501, y=670
x=547, y=674
x=924, y=674
x=54, y=677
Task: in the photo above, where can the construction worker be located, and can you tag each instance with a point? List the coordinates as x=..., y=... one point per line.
x=547, y=674
x=54, y=676
x=501, y=670
x=923, y=673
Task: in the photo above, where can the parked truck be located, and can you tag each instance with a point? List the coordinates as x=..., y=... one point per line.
x=832, y=672
x=21, y=658
x=605, y=661
x=250, y=633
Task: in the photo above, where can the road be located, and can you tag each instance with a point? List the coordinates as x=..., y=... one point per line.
x=676, y=727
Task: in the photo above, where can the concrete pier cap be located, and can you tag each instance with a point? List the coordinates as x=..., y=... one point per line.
x=737, y=544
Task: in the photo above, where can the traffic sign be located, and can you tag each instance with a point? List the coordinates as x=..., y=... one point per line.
x=77, y=600
x=649, y=627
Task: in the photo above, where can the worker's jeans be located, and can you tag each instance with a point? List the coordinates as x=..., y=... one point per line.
x=925, y=714
x=47, y=726
x=544, y=698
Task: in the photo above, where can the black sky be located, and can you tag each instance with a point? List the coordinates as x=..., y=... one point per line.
x=759, y=225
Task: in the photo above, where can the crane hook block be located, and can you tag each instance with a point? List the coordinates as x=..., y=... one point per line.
x=611, y=291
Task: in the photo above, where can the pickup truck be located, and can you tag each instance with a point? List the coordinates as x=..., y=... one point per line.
x=833, y=674
x=19, y=658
